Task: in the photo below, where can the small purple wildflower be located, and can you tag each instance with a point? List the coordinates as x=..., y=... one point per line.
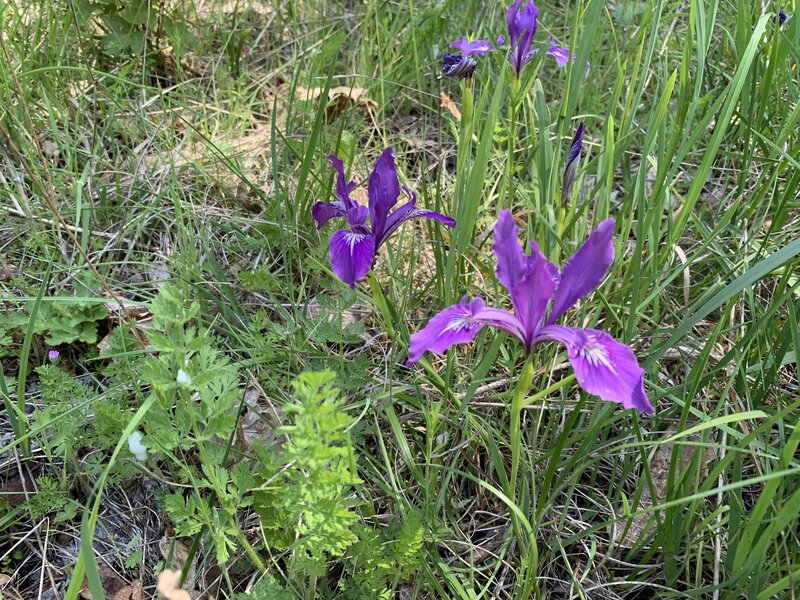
x=782, y=16
x=603, y=366
x=245, y=50
x=352, y=251
x=560, y=54
x=463, y=65
x=521, y=22
x=53, y=355
x=571, y=165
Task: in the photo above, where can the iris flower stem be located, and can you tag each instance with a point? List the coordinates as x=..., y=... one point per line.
x=383, y=305
x=517, y=403
x=512, y=125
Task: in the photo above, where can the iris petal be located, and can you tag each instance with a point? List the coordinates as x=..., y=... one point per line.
x=585, y=269
x=351, y=255
x=325, y=211
x=459, y=324
x=383, y=191
x=603, y=366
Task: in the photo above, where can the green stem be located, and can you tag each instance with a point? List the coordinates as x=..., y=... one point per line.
x=512, y=126
x=382, y=303
x=517, y=403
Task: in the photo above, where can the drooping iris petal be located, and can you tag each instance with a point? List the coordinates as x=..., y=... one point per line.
x=459, y=324
x=456, y=65
x=477, y=47
x=560, y=54
x=409, y=211
x=383, y=190
x=585, y=269
x=325, y=211
x=351, y=255
x=571, y=166
x=343, y=187
x=603, y=366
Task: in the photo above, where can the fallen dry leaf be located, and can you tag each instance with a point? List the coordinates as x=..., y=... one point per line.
x=258, y=423
x=169, y=586
x=450, y=106
x=338, y=98
x=130, y=592
x=179, y=553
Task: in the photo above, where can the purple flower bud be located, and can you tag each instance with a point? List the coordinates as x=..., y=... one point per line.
x=571, y=166
x=455, y=65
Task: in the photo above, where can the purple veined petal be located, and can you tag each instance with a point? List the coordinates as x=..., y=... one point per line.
x=560, y=54
x=383, y=191
x=456, y=65
x=325, y=211
x=459, y=324
x=528, y=278
x=585, y=269
x=409, y=211
x=511, y=260
x=531, y=295
x=357, y=215
x=351, y=254
x=476, y=47
x=522, y=24
x=343, y=187
x=571, y=166
x=603, y=366
x=520, y=19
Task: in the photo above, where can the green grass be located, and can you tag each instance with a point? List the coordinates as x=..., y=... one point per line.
x=124, y=165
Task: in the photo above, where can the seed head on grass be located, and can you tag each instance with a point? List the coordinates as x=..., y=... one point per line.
x=603, y=366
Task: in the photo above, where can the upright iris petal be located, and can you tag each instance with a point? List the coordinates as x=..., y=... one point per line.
x=521, y=21
x=352, y=251
x=603, y=366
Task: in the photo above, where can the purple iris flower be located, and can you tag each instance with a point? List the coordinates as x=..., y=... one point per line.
x=560, y=54
x=352, y=251
x=571, y=166
x=462, y=65
x=603, y=366
x=521, y=22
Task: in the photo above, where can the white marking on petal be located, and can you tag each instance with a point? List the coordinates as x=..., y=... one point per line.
x=460, y=324
x=595, y=354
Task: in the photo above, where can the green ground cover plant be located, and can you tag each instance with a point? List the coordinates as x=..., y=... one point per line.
x=212, y=389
